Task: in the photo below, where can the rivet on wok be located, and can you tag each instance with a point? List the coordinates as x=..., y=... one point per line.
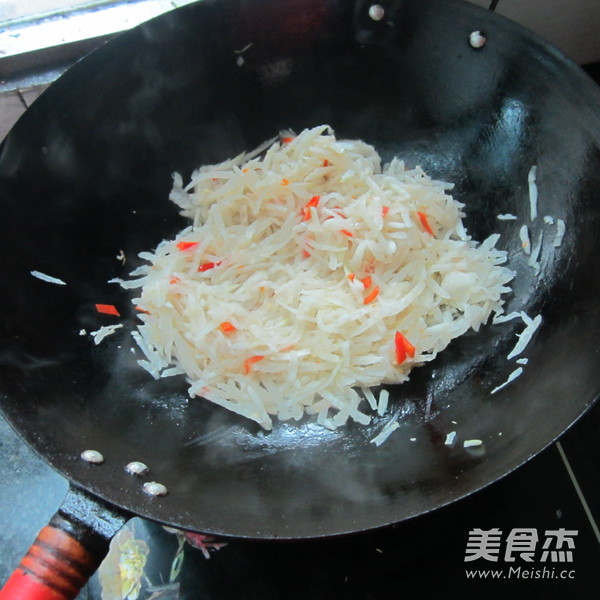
x=92, y=456
x=376, y=12
x=477, y=39
x=137, y=468
x=153, y=488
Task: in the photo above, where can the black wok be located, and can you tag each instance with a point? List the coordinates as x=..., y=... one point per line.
x=86, y=174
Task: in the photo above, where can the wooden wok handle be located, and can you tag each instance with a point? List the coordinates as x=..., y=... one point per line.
x=66, y=552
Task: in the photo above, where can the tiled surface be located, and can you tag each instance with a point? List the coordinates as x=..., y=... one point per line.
x=12, y=106
x=573, y=26
x=29, y=495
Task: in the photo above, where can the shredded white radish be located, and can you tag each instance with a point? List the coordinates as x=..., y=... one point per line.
x=560, y=233
x=303, y=260
x=533, y=193
x=103, y=332
x=472, y=443
x=525, y=318
x=504, y=318
x=47, y=278
x=450, y=438
x=385, y=433
x=549, y=220
x=525, y=241
x=382, y=405
x=525, y=336
x=370, y=397
x=516, y=373
x=506, y=217
x=535, y=251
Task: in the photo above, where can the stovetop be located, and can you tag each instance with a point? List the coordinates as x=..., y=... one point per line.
x=557, y=491
x=532, y=534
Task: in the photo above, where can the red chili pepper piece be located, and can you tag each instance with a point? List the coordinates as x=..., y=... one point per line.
x=207, y=266
x=186, y=245
x=250, y=361
x=108, y=309
x=346, y=232
x=410, y=349
x=403, y=348
x=313, y=202
x=399, y=346
x=227, y=327
x=385, y=210
x=287, y=140
x=142, y=310
x=372, y=295
x=425, y=223
x=367, y=282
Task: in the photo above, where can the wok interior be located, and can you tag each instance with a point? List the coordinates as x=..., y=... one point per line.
x=87, y=171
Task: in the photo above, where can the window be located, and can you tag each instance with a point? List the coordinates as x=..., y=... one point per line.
x=30, y=25
x=19, y=9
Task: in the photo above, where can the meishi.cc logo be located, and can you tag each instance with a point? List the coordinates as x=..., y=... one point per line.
x=526, y=544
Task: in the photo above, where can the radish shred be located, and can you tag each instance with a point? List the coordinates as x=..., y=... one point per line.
x=533, y=192
x=47, y=278
x=323, y=253
x=516, y=373
x=385, y=433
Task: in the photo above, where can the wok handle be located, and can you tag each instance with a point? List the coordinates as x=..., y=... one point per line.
x=66, y=552
x=57, y=564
